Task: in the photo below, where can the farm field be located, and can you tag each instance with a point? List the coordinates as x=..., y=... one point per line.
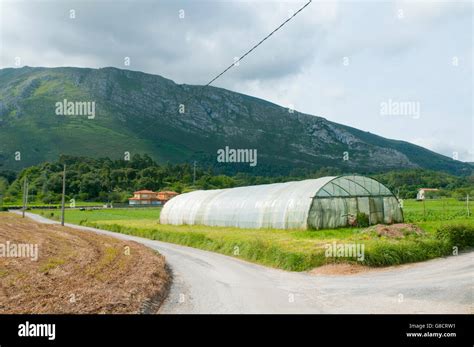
x=75, y=216
x=18, y=204
x=436, y=209
x=89, y=266
x=296, y=250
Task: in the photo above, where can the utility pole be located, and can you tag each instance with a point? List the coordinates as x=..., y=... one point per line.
x=194, y=173
x=63, y=196
x=25, y=195
x=467, y=205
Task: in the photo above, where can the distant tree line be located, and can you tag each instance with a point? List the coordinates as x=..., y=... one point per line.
x=406, y=183
x=106, y=180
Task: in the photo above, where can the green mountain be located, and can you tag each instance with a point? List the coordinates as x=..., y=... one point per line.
x=140, y=113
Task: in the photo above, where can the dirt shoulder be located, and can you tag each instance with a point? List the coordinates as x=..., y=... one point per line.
x=75, y=271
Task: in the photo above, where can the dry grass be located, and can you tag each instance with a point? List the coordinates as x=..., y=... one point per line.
x=78, y=272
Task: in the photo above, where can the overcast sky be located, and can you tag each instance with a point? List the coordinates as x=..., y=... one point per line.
x=340, y=60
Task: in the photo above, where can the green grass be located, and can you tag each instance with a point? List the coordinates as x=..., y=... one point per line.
x=432, y=215
x=18, y=203
x=435, y=210
x=295, y=250
x=77, y=216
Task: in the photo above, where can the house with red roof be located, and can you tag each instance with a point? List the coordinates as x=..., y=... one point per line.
x=149, y=197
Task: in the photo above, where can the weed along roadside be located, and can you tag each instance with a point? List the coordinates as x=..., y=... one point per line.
x=299, y=250
x=293, y=251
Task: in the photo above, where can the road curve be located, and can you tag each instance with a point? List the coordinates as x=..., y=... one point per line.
x=207, y=282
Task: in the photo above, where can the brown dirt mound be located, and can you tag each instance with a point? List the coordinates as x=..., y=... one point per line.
x=78, y=272
x=352, y=269
x=340, y=269
x=399, y=230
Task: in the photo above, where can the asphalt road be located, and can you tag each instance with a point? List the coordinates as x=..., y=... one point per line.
x=206, y=282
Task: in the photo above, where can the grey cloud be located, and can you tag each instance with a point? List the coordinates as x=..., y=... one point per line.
x=301, y=64
x=189, y=50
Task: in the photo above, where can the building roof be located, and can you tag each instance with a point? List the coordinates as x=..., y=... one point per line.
x=144, y=192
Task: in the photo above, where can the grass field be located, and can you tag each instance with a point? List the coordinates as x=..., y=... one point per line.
x=18, y=204
x=435, y=210
x=295, y=250
x=77, y=216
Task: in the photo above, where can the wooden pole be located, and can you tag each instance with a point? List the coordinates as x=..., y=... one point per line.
x=24, y=196
x=63, y=195
x=194, y=173
x=467, y=205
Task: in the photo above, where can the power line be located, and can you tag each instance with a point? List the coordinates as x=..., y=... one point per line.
x=248, y=52
x=258, y=44
x=235, y=62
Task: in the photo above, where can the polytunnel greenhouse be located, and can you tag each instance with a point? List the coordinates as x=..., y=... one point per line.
x=326, y=202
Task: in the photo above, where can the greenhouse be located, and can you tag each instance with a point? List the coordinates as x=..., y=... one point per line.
x=327, y=202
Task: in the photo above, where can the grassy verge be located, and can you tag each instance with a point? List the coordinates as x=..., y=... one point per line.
x=295, y=250
x=38, y=204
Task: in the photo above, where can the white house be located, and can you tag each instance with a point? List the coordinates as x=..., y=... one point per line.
x=421, y=192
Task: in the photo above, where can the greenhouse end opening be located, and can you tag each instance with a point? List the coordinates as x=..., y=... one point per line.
x=326, y=202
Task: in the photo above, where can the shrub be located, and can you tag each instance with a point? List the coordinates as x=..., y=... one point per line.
x=392, y=253
x=459, y=235
x=362, y=220
x=9, y=199
x=51, y=198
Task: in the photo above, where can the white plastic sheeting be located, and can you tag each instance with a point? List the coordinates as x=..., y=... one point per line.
x=325, y=202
